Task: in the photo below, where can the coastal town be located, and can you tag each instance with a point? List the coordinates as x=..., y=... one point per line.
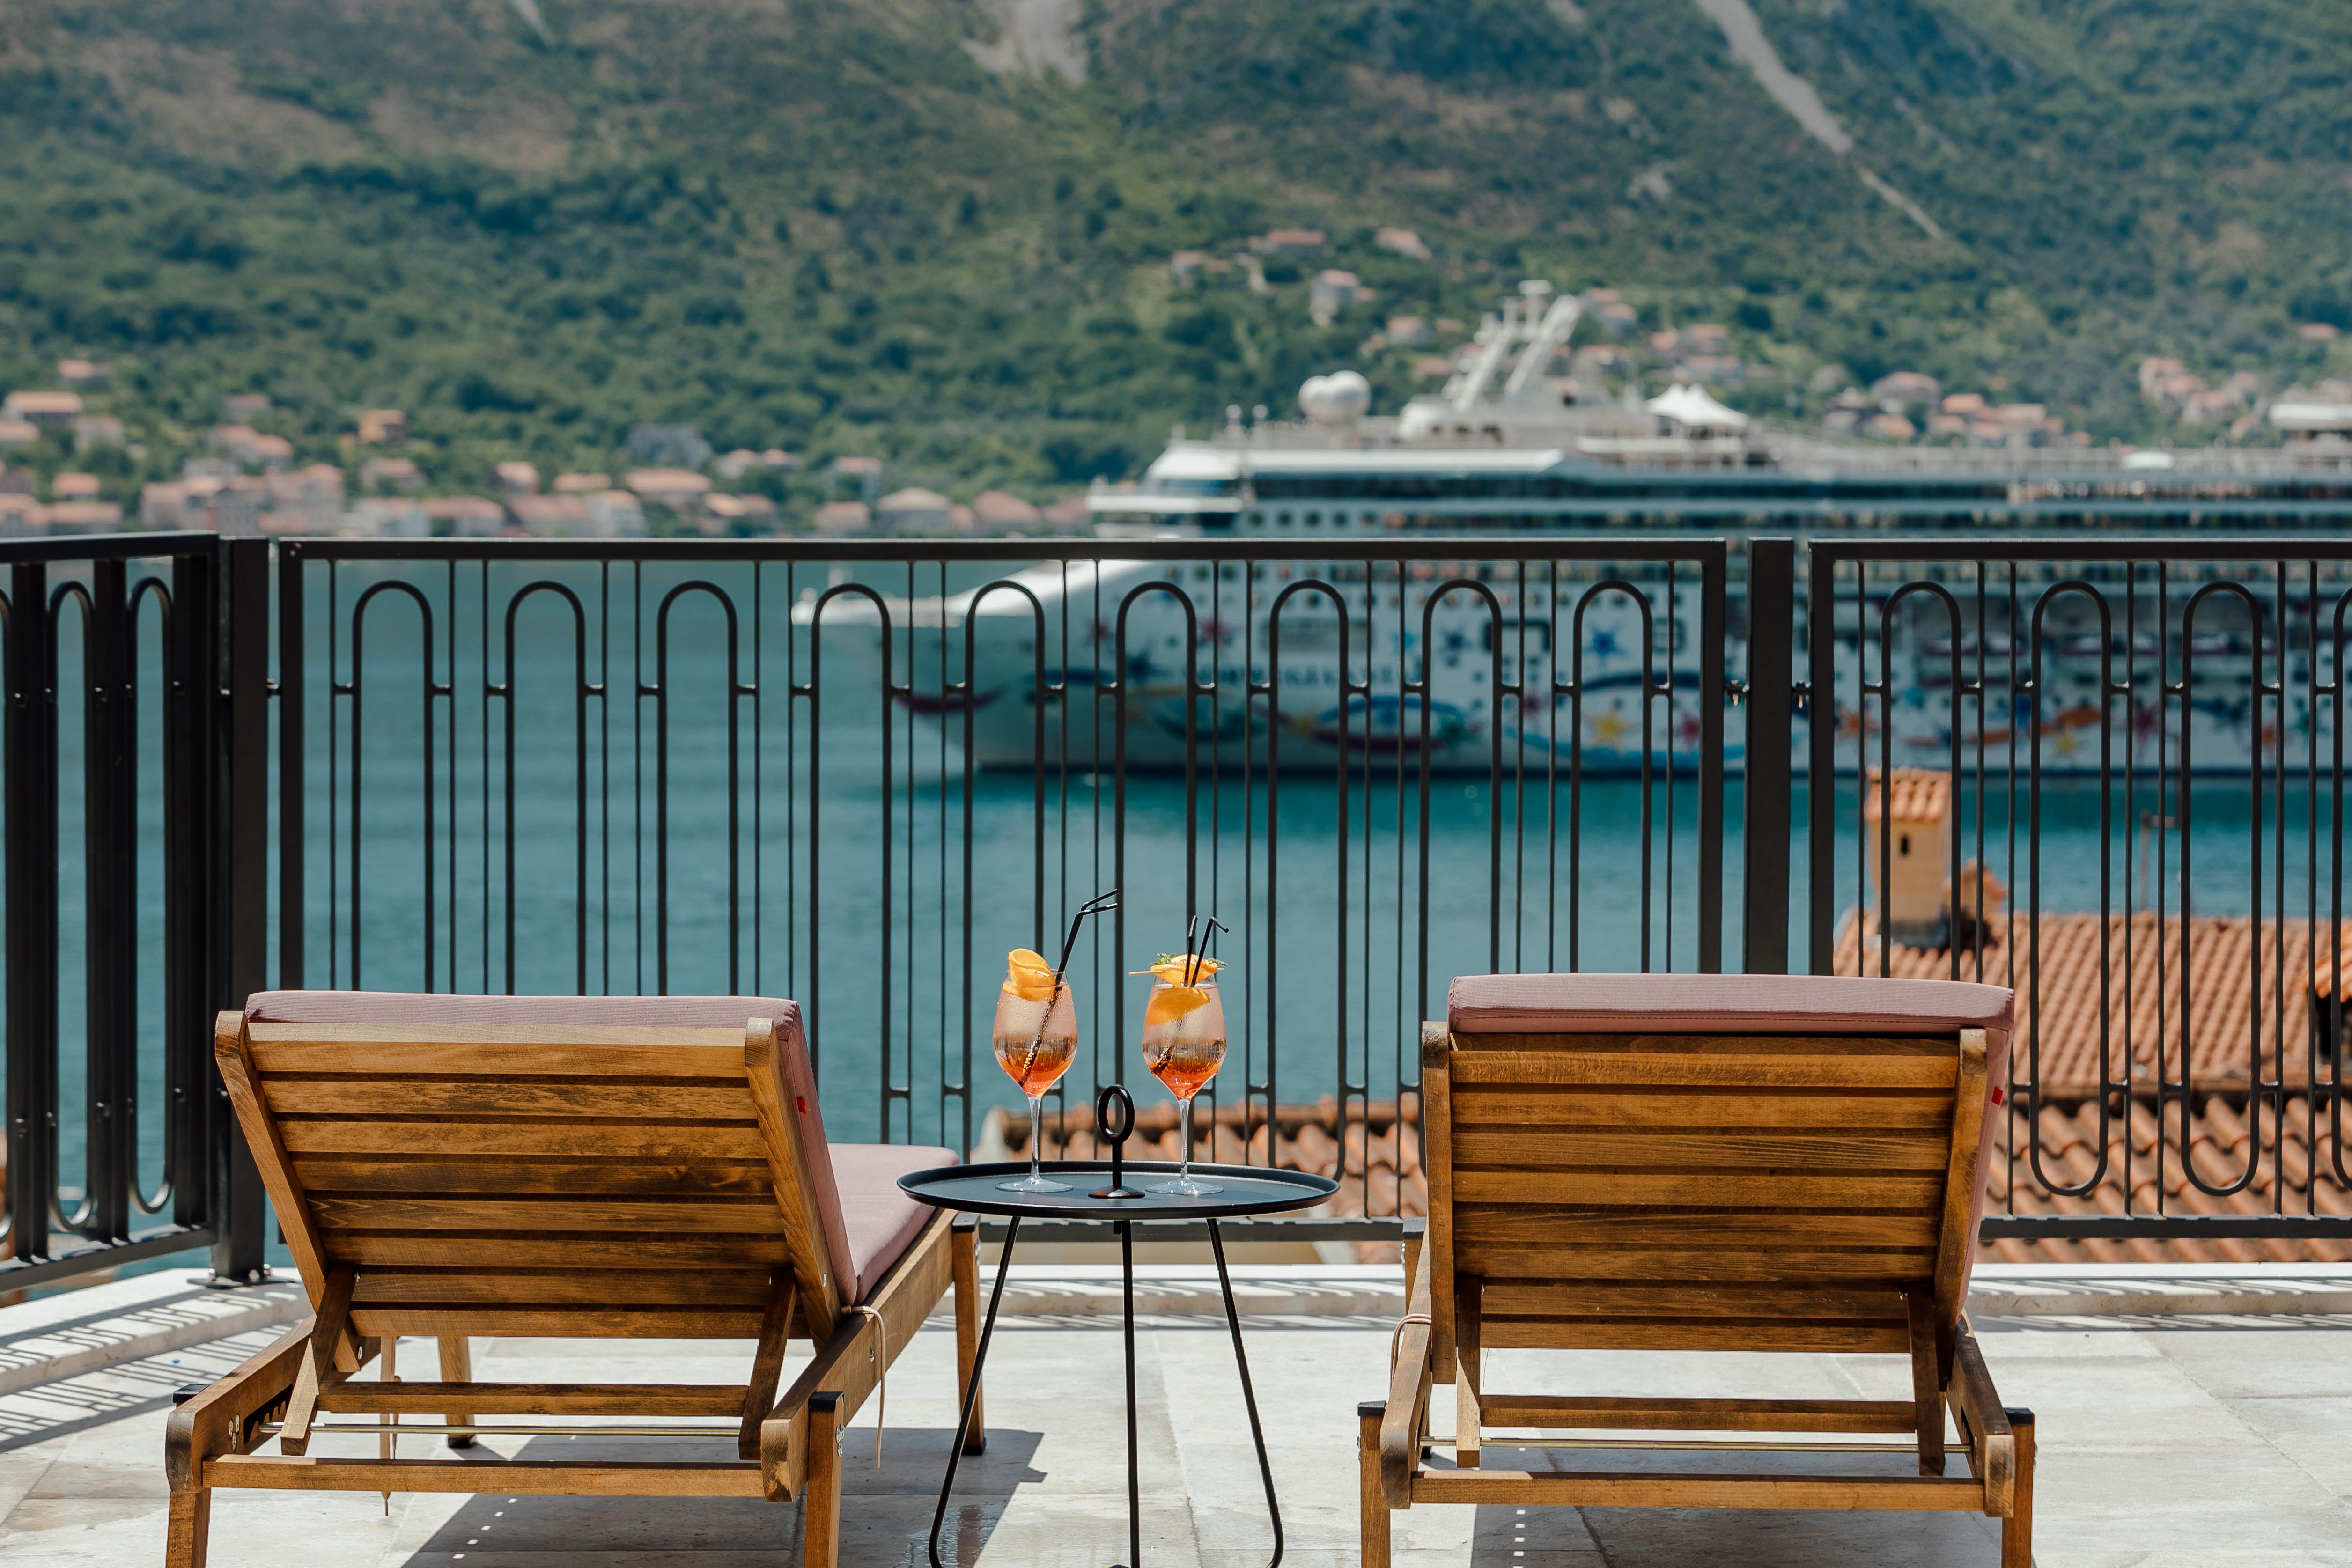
x=85, y=454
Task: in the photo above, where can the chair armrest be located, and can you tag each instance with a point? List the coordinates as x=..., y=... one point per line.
x=1409, y=1385
x=1984, y=1422
x=214, y=1422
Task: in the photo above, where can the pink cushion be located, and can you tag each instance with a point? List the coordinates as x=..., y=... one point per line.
x=1744, y=1004
x=1749, y=1004
x=415, y=1010
x=883, y=1220
x=407, y=1007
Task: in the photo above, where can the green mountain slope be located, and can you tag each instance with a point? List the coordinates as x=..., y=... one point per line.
x=826, y=224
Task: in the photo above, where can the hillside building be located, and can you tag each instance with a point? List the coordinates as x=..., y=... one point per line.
x=680, y=489
x=1002, y=509
x=49, y=412
x=96, y=430
x=914, y=510
x=843, y=518
x=391, y=473
x=1289, y=242
x=466, y=517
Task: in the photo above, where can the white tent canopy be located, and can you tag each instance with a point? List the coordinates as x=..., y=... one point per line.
x=1691, y=408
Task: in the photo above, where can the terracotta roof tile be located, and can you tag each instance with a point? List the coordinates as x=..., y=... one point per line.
x=1911, y=794
x=2241, y=1010
x=2150, y=1168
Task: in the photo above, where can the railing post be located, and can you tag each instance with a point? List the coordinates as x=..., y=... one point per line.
x=1821, y=764
x=1772, y=676
x=1714, y=689
x=292, y=778
x=31, y=899
x=198, y=1104
x=111, y=872
x=241, y=881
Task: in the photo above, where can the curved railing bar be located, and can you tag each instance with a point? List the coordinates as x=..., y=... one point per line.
x=1575, y=690
x=583, y=689
x=355, y=689
x=2185, y=1089
x=2107, y=691
x=812, y=692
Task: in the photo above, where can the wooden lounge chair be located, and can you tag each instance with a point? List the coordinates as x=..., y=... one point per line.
x=1702, y=1163
x=537, y=1167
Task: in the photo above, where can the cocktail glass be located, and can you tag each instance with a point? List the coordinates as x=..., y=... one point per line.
x=1184, y=1045
x=1036, y=1039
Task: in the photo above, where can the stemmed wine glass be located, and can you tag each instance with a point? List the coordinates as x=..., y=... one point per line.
x=1037, y=1034
x=1184, y=1043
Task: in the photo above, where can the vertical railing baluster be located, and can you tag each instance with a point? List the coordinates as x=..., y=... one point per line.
x=110, y=901
x=31, y=899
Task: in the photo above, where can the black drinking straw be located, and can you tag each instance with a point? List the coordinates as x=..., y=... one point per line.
x=1100, y=904
x=1208, y=940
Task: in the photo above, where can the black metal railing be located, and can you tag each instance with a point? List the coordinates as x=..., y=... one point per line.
x=2123, y=799
x=858, y=774
x=855, y=773
x=132, y=766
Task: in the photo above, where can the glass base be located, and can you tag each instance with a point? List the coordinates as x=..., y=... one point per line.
x=1184, y=1186
x=1033, y=1183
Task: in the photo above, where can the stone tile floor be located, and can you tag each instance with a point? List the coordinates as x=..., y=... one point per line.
x=2217, y=1442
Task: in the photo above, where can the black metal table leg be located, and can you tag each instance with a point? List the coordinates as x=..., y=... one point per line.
x=971, y=1390
x=1134, y=1488
x=1249, y=1396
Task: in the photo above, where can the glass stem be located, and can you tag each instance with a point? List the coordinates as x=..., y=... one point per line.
x=1037, y=1135
x=1184, y=1137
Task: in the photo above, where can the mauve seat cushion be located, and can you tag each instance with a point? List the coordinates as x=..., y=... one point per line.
x=862, y=1236
x=1740, y=1004
x=883, y=1220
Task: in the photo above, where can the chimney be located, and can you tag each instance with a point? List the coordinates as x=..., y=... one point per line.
x=1973, y=927
x=1915, y=804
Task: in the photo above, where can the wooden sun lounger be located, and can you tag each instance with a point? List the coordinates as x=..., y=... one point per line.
x=1702, y=1163
x=452, y=1167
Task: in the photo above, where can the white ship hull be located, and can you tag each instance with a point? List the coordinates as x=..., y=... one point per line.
x=1100, y=692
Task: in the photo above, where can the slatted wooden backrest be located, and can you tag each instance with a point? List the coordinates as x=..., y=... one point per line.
x=549, y=1180
x=1646, y=1192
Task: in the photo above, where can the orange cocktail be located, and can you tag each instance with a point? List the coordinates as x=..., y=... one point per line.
x=1184, y=1045
x=1036, y=1039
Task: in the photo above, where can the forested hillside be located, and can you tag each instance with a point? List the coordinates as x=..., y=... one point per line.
x=897, y=226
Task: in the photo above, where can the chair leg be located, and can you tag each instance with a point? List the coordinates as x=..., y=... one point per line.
x=821, y=1523
x=1465, y=1373
x=457, y=1366
x=1926, y=1394
x=963, y=1264
x=190, y=1529
x=2017, y=1529
x=1374, y=1529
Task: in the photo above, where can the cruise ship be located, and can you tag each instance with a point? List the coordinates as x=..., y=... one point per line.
x=1525, y=437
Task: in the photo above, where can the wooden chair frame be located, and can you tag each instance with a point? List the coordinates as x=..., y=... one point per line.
x=1439, y=1338
x=787, y=1443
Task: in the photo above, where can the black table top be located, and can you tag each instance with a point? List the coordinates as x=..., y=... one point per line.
x=1247, y=1189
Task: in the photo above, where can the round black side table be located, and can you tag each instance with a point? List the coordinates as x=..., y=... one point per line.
x=1247, y=1189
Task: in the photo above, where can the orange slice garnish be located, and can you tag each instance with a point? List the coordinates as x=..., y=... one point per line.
x=1178, y=971
x=1028, y=976
x=1176, y=1001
